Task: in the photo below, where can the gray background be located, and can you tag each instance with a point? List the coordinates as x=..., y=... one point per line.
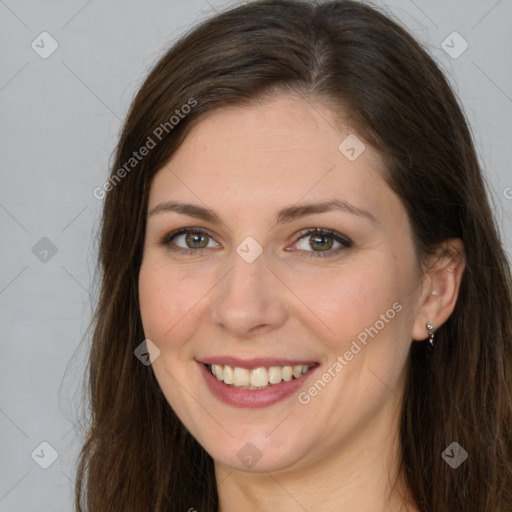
x=60, y=118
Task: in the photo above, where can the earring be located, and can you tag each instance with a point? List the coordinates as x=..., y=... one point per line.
x=431, y=331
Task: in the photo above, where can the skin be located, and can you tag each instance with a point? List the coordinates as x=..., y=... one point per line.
x=340, y=450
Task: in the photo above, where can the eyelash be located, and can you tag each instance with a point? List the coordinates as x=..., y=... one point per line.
x=344, y=241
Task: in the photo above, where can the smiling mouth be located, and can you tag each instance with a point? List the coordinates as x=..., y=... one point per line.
x=257, y=379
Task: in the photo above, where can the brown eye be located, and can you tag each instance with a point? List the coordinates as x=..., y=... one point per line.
x=196, y=240
x=190, y=239
x=322, y=241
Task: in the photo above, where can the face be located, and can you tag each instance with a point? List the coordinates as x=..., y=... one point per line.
x=253, y=283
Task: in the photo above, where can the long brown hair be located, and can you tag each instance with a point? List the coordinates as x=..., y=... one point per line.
x=137, y=455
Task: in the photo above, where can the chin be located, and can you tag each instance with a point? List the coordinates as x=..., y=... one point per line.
x=259, y=455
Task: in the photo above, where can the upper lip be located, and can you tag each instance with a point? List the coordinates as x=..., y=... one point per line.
x=257, y=362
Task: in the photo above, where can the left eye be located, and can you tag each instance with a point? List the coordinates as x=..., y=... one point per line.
x=322, y=241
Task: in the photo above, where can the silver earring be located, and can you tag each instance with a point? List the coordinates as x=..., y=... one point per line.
x=431, y=331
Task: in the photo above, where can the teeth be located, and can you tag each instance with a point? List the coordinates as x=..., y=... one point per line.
x=287, y=373
x=240, y=376
x=297, y=371
x=257, y=378
x=218, y=372
x=228, y=374
x=275, y=375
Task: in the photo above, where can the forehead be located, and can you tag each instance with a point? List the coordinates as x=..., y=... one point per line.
x=281, y=150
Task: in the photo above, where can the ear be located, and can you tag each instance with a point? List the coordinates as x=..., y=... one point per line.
x=440, y=289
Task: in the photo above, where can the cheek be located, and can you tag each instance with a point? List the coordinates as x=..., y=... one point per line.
x=153, y=309
x=166, y=297
x=354, y=297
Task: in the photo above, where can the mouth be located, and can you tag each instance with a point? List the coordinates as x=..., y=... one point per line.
x=255, y=383
x=257, y=379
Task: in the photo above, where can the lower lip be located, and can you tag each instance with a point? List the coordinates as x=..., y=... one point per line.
x=252, y=398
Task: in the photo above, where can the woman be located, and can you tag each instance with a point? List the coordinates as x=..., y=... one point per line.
x=305, y=304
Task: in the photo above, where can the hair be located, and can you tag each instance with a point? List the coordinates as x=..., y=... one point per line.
x=137, y=455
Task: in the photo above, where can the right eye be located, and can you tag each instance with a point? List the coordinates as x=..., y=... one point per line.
x=192, y=238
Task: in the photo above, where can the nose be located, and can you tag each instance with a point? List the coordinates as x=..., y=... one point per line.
x=250, y=299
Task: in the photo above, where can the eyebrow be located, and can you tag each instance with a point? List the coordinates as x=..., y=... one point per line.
x=288, y=214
